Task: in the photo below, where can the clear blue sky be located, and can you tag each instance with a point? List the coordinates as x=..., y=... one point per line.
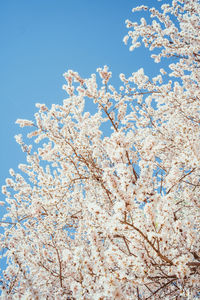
x=40, y=40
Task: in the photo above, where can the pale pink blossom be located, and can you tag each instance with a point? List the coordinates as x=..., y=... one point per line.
x=113, y=214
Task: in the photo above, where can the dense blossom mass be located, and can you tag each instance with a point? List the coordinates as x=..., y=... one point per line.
x=116, y=216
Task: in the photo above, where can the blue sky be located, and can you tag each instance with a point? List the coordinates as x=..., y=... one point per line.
x=41, y=39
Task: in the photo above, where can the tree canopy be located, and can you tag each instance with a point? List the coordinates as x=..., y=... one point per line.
x=92, y=216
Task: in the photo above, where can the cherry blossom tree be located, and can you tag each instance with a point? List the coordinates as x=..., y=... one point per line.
x=113, y=217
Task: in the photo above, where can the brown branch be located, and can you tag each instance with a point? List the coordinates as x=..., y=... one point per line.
x=74, y=215
x=138, y=294
x=13, y=283
x=60, y=267
x=126, y=243
x=163, y=257
x=195, y=185
x=160, y=288
x=59, y=261
x=108, y=115
x=129, y=163
x=180, y=180
x=55, y=274
x=193, y=264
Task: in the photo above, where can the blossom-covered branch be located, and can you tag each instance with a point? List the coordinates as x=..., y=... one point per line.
x=91, y=216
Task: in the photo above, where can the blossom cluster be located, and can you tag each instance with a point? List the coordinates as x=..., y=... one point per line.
x=113, y=217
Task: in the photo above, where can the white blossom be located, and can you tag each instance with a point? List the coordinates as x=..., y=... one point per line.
x=115, y=216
